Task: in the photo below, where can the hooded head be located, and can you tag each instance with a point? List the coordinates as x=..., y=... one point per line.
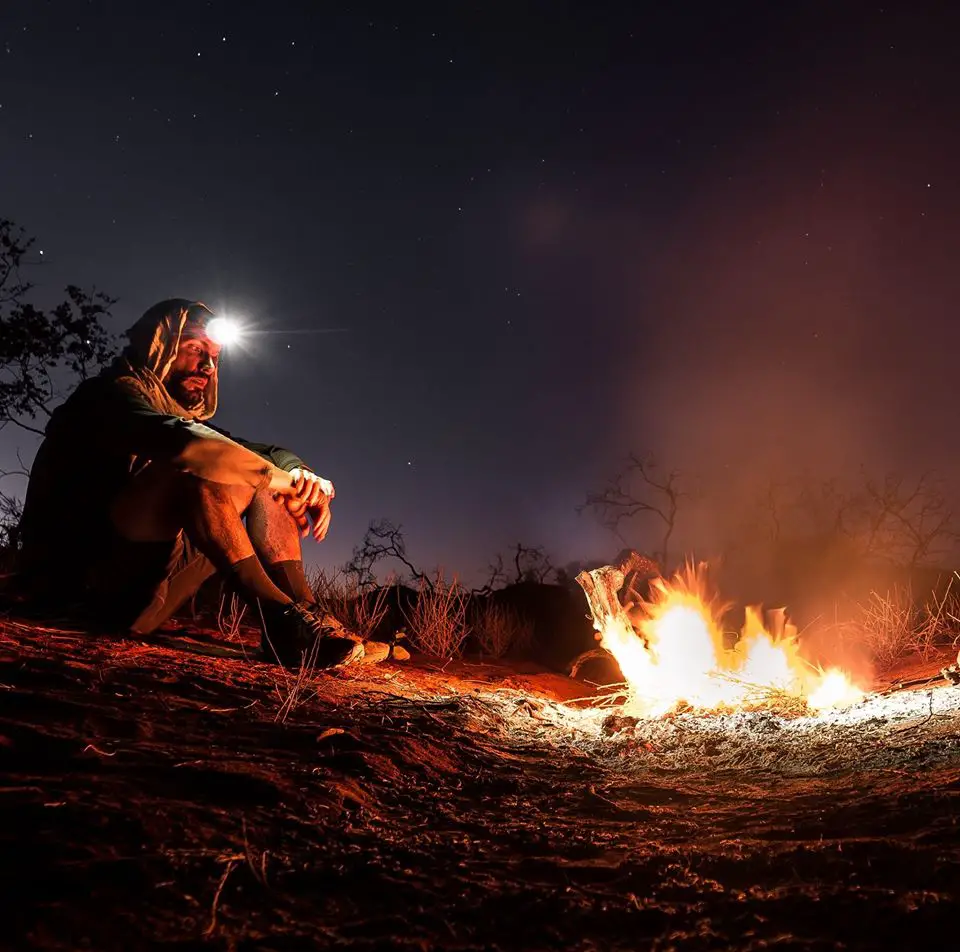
x=151, y=358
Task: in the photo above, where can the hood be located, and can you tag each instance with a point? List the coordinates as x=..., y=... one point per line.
x=149, y=356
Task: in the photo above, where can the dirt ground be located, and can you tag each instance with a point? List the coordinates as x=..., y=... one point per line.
x=169, y=793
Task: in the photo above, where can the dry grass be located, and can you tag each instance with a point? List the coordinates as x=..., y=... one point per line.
x=437, y=623
x=291, y=687
x=230, y=614
x=330, y=588
x=298, y=686
x=499, y=629
x=358, y=611
x=895, y=624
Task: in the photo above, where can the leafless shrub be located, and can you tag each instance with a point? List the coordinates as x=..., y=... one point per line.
x=499, y=629
x=437, y=623
x=358, y=610
x=333, y=590
x=320, y=580
x=889, y=519
x=368, y=611
x=11, y=512
x=895, y=624
x=531, y=564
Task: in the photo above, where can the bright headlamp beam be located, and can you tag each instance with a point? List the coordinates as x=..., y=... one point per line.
x=223, y=331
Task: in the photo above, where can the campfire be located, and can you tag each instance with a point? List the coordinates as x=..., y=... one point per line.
x=674, y=654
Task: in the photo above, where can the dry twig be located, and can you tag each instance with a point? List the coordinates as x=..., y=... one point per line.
x=231, y=862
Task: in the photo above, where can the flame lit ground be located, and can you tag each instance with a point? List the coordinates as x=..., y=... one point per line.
x=457, y=810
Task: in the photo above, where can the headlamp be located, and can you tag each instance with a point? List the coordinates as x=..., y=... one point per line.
x=223, y=331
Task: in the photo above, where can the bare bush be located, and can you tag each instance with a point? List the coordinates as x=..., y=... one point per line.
x=438, y=620
x=358, y=610
x=332, y=590
x=499, y=629
x=366, y=612
x=894, y=624
x=531, y=564
x=891, y=520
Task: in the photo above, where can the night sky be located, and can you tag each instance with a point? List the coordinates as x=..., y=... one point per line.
x=491, y=248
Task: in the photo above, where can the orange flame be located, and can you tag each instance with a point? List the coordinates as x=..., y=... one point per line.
x=680, y=657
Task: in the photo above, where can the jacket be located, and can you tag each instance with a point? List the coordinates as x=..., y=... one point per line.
x=109, y=429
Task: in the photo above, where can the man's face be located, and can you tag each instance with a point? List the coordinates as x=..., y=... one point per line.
x=194, y=365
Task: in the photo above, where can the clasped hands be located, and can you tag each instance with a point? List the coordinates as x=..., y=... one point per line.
x=309, y=501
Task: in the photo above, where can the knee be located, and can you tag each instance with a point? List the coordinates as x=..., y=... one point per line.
x=267, y=510
x=265, y=501
x=204, y=492
x=268, y=518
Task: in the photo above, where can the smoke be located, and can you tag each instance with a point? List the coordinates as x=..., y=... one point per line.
x=798, y=334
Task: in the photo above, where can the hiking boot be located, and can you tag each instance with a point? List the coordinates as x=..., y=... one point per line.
x=293, y=636
x=330, y=623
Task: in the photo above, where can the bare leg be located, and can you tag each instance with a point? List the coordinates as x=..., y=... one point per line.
x=271, y=529
x=161, y=502
x=276, y=540
x=212, y=521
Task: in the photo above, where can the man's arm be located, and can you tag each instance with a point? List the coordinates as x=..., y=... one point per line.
x=141, y=430
x=131, y=425
x=310, y=499
x=280, y=457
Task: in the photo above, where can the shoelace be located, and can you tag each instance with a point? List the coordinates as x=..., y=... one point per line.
x=315, y=622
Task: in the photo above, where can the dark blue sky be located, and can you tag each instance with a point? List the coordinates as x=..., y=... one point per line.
x=540, y=236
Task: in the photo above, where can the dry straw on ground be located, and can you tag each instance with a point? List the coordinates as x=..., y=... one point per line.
x=230, y=614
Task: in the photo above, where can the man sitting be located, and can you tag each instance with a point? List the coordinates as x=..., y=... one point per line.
x=135, y=499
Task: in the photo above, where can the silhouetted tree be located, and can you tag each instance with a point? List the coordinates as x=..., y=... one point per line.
x=11, y=509
x=531, y=563
x=639, y=490
x=894, y=519
x=43, y=352
x=382, y=540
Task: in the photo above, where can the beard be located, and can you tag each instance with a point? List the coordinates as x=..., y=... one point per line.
x=190, y=398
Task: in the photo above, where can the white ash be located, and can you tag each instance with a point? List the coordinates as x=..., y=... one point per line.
x=906, y=730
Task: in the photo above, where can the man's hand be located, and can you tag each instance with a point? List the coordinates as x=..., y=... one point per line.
x=309, y=499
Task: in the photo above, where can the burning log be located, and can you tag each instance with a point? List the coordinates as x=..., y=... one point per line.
x=603, y=587
x=674, y=654
x=636, y=568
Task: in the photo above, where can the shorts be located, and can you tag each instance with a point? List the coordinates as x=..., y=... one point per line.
x=140, y=585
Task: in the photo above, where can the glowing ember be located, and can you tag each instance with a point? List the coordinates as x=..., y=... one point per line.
x=679, y=657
